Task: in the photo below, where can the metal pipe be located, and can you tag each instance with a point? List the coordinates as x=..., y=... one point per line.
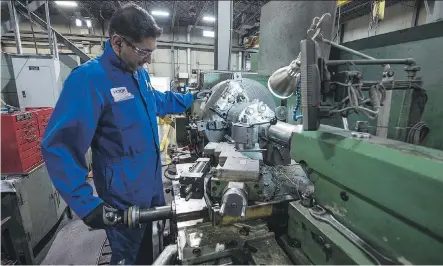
x=48, y=22
x=344, y=48
x=407, y=61
x=188, y=51
x=240, y=59
x=55, y=46
x=13, y=15
x=390, y=85
x=32, y=27
x=167, y=255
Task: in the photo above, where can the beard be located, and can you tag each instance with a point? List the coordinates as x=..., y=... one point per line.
x=134, y=66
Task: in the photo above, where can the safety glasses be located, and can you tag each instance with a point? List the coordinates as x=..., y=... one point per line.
x=138, y=51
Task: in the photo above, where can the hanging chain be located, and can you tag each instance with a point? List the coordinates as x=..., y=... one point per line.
x=374, y=18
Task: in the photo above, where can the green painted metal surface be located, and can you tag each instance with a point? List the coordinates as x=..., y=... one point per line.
x=212, y=78
x=427, y=53
x=306, y=230
x=254, y=62
x=394, y=190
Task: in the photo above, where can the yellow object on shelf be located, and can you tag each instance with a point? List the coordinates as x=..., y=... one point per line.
x=342, y=2
x=164, y=120
x=164, y=142
x=379, y=9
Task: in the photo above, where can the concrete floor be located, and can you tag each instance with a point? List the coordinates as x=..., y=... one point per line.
x=74, y=244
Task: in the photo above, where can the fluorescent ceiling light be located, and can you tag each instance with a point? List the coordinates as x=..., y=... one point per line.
x=78, y=22
x=160, y=13
x=88, y=23
x=208, y=33
x=66, y=3
x=209, y=18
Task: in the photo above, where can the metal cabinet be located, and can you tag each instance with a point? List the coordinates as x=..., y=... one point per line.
x=38, y=207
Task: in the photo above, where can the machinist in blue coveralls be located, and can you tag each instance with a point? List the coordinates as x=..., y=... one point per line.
x=108, y=104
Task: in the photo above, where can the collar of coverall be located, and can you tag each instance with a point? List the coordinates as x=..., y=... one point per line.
x=113, y=59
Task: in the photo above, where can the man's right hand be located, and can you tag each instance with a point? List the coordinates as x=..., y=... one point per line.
x=104, y=216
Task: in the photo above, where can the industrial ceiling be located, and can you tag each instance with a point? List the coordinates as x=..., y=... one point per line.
x=246, y=13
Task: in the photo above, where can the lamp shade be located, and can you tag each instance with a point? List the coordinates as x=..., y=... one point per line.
x=283, y=82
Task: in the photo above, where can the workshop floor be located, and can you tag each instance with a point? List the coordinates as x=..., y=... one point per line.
x=74, y=244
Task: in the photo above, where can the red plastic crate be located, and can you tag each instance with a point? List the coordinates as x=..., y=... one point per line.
x=20, y=142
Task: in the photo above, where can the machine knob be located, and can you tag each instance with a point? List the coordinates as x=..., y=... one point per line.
x=273, y=121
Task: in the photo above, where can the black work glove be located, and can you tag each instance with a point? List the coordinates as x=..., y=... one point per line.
x=104, y=216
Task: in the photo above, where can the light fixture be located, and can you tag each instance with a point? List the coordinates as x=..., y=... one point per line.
x=208, y=33
x=78, y=22
x=66, y=3
x=284, y=81
x=160, y=13
x=88, y=23
x=209, y=18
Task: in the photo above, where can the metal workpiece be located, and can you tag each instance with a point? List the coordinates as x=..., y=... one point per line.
x=136, y=216
x=234, y=200
x=280, y=133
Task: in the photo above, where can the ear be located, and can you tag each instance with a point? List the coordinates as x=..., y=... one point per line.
x=116, y=42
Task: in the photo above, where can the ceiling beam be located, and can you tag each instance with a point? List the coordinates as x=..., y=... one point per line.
x=42, y=38
x=200, y=14
x=8, y=26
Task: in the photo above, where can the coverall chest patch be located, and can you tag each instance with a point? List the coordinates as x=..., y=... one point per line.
x=121, y=94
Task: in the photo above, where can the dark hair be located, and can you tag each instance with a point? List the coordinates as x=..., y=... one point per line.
x=134, y=22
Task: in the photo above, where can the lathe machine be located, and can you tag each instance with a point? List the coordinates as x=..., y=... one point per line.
x=265, y=191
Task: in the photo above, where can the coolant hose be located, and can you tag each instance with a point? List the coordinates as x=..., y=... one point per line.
x=167, y=255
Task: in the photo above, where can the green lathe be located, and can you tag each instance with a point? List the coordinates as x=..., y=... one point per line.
x=385, y=192
x=264, y=191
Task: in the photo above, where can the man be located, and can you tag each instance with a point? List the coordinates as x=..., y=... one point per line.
x=108, y=103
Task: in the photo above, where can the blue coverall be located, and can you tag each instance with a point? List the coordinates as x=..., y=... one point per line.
x=114, y=112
